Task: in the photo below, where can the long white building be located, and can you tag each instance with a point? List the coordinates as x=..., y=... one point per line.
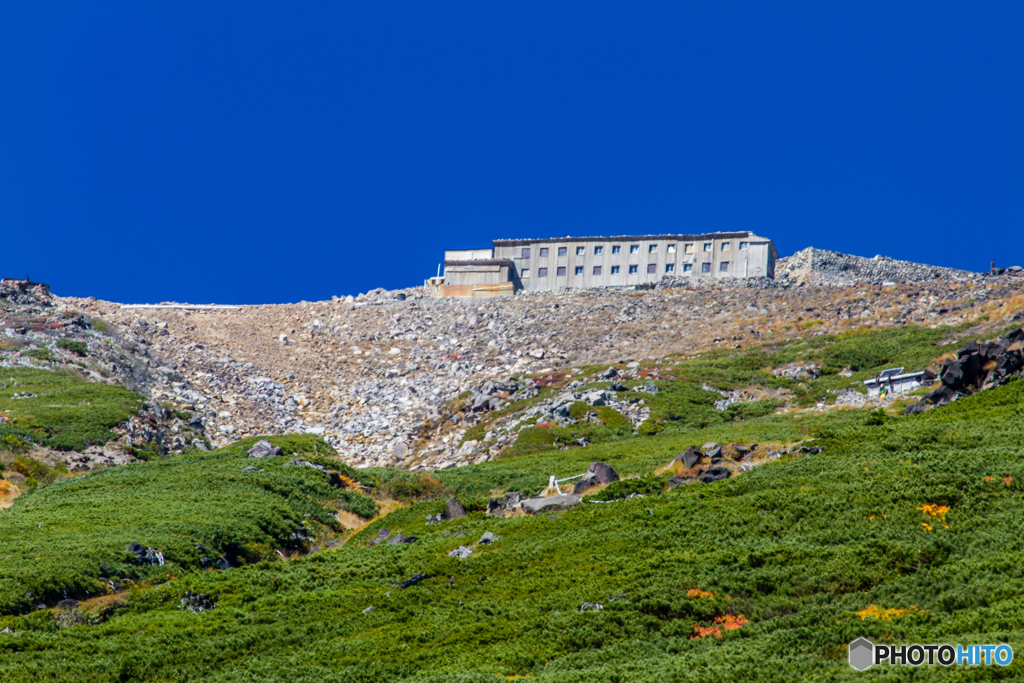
x=580, y=262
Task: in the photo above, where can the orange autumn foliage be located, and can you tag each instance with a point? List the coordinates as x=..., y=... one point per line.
x=724, y=623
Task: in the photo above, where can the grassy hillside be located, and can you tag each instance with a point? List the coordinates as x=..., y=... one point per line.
x=903, y=529
x=59, y=410
x=68, y=539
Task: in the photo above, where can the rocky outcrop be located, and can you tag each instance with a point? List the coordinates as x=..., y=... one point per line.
x=831, y=268
x=978, y=366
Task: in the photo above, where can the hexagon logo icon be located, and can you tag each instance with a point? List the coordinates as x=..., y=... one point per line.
x=862, y=654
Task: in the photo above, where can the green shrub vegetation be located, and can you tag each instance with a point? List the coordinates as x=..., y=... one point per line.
x=174, y=505
x=79, y=348
x=913, y=518
x=67, y=413
x=623, y=488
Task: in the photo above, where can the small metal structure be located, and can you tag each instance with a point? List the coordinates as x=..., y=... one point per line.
x=555, y=482
x=895, y=381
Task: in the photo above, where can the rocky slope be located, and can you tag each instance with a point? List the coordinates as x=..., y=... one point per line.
x=831, y=268
x=38, y=330
x=376, y=374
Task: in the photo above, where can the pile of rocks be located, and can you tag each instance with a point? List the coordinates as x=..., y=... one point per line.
x=977, y=367
x=831, y=268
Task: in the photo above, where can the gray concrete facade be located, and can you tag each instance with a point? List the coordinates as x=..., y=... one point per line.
x=625, y=260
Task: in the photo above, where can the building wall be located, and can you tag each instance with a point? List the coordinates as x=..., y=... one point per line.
x=757, y=258
x=468, y=254
x=475, y=275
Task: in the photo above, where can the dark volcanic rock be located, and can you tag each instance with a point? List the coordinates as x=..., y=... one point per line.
x=715, y=474
x=453, y=509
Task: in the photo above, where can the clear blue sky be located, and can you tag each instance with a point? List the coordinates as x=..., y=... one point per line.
x=271, y=152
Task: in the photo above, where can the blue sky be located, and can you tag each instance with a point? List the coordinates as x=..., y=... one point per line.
x=273, y=152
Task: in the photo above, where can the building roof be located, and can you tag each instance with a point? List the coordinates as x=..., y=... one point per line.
x=884, y=378
x=481, y=262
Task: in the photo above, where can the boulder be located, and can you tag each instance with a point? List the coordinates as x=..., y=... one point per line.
x=534, y=506
x=597, y=473
x=510, y=501
x=486, y=539
x=618, y=386
x=715, y=474
x=604, y=472
x=381, y=536
x=609, y=373
x=650, y=387
x=453, y=509
x=462, y=552
x=916, y=408
x=145, y=556
x=413, y=580
x=399, y=539
x=264, y=449
x=690, y=457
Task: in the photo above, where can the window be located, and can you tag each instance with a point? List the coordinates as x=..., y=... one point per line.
x=726, y=246
x=705, y=267
x=542, y=272
x=578, y=271
x=670, y=267
x=633, y=269
x=543, y=252
x=687, y=267
x=652, y=248
x=671, y=248
x=580, y=251
x=652, y=267
x=723, y=266
x=616, y=249
x=562, y=251
x=526, y=272
x=598, y=250
x=634, y=249
x=615, y=270
x=561, y=271
x=597, y=270
x=526, y=252
x=744, y=245
x=688, y=249
x=707, y=246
